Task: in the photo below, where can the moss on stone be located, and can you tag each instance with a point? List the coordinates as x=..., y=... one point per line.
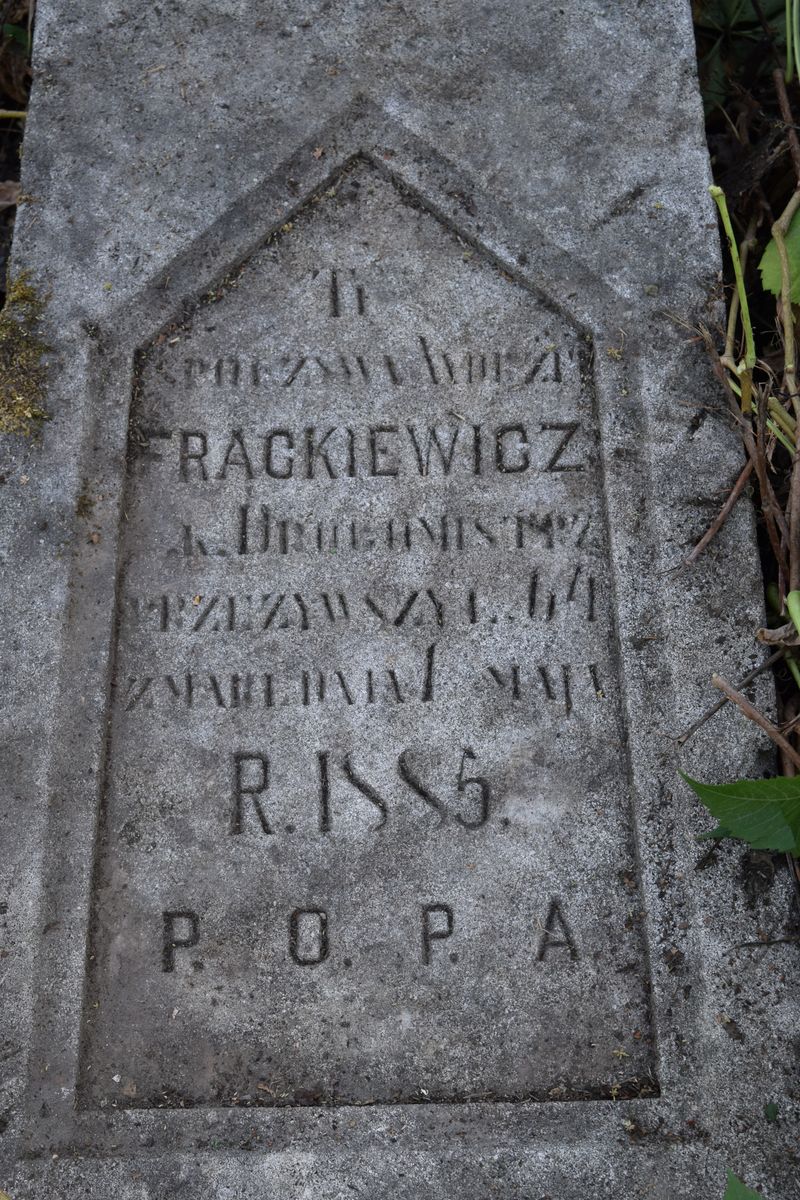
x=23, y=373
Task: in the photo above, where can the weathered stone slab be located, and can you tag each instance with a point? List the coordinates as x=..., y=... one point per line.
x=341, y=649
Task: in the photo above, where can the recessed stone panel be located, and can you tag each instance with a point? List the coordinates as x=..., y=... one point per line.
x=366, y=830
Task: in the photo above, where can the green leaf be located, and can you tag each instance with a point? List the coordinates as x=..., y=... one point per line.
x=18, y=33
x=735, y=15
x=770, y=265
x=736, y=1190
x=716, y=84
x=771, y=1111
x=763, y=812
x=711, y=835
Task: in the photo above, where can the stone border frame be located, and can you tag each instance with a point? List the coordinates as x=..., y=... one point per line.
x=690, y=1077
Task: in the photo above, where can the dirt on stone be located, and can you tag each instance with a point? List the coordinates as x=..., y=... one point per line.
x=23, y=372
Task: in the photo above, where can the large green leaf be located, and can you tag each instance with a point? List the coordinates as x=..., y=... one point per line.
x=763, y=812
x=17, y=33
x=732, y=44
x=770, y=265
x=736, y=1190
x=731, y=15
x=716, y=81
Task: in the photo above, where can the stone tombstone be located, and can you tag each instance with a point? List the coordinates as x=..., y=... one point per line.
x=343, y=647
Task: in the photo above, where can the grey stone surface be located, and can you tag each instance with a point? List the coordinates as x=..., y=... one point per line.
x=344, y=850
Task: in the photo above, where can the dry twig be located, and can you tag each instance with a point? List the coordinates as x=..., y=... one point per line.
x=722, y=515
x=758, y=718
x=788, y=120
x=767, y=665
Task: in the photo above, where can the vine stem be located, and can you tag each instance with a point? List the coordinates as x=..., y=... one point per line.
x=745, y=368
x=733, y=316
x=779, y=231
x=788, y=121
x=789, y=50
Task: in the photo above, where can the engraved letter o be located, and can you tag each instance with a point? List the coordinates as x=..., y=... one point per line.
x=299, y=933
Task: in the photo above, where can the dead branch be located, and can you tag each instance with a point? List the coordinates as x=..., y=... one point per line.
x=722, y=515
x=757, y=717
x=715, y=708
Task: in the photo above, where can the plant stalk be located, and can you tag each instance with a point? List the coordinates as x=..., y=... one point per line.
x=745, y=368
x=789, y=46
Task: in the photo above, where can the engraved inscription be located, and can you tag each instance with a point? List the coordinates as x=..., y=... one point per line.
x=366, y=833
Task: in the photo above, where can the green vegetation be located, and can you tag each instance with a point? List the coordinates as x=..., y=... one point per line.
x=763, y=812
x=730, y=38
x=770, y=265
x=749, y=57
x=746, y=60
x=18, y=34
x=736, y=1190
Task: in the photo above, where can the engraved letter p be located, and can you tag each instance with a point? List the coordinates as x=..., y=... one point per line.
x=172, y=941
